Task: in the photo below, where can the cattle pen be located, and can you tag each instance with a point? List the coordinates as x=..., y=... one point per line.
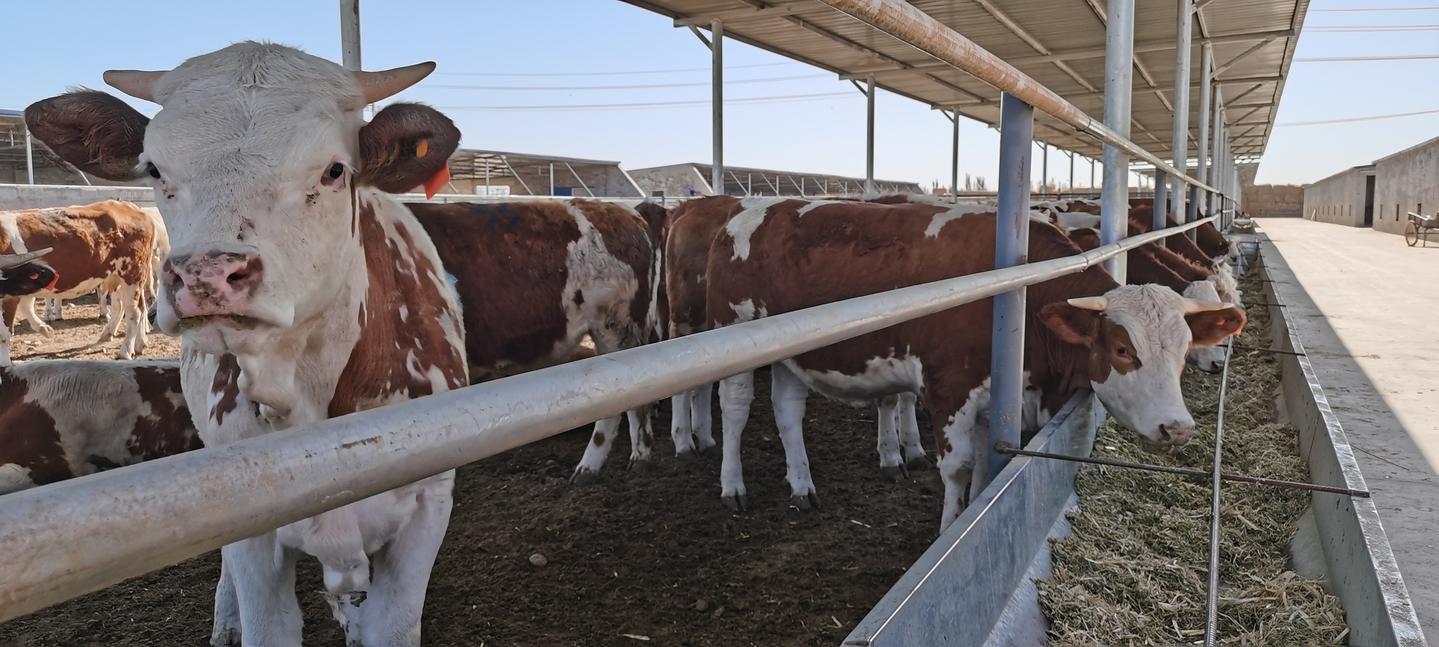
x=82, y=535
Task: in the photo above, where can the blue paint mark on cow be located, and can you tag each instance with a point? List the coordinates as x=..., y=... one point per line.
x=500, y=214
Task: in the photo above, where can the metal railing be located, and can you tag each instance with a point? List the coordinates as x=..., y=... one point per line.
x=73, y=537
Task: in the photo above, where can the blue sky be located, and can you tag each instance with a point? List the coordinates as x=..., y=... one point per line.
x=581, y=37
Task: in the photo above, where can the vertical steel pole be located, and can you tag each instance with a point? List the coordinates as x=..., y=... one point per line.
x=350, y=34
x=552, y=178
x=1091, y=174
x=717, y=105
x=954, y=160
x=869, y=136
x=1011, y=247
x=29, y=159
x=487, y=177
x=1071, y=171
x=1118, y=78
x=1216, y=114
x=1180, y=134
x=1044, y=168
x=1197, y=197
x=1161, y=202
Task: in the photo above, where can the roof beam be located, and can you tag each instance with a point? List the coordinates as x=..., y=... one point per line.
x=1257, y=46
x=754, y=10
x=1030, y=40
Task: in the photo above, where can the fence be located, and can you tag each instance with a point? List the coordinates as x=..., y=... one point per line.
x=73, y=537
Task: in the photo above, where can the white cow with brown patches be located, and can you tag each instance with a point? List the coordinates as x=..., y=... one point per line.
x=287, y=281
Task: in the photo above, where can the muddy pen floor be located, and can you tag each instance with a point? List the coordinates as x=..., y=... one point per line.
x=652, y=559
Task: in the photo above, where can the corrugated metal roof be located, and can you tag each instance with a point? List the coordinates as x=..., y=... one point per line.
x=1060, y=44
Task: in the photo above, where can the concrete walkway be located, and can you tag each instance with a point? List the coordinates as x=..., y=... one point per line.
x=1368, y=313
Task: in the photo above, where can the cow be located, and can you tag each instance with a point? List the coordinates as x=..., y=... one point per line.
x=301, y=291
x=65, y=418
x=104, y=246
x=1084, y=330
x=535, y=278
x=687, y=249
x=54, y=308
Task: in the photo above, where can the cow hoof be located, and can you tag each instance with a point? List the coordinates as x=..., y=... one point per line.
x=804, y=502
x=641, y=466
x=702, y=447
x=123, y=355
x=894, y=473
x=46, y=330
x=583, y=477
x=918, y=464
x=225, y=637
x=736, y=502
x=687, y=456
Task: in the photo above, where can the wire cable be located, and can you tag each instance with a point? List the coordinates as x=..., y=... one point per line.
x=611, y=73
x=1346, y=120
x=636, y=86
x=1353, y=59
x=790, y=98
x=1377, y=9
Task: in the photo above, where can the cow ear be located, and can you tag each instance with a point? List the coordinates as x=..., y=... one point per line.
x=1213, y=326
x=96, y=132
x=404, y=146
x=1074, y=325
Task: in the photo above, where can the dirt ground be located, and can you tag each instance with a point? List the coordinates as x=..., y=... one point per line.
x=75, y=335
x=651, y=559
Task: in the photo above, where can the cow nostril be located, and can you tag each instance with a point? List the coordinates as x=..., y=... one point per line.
x=1164, y=432
x=237, y=277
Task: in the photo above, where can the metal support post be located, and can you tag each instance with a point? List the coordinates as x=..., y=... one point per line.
x=1091, y=173
x=1198, y=199
x=350, y=34
x=579, y=179
x=1044, y=168
x=1071, y=172
x=30, y=159
x=1011, y=247
x=869, y=135
x=717, y=105
x=1216, y=115
x=1118, y=79
x=1161, y=202
x=1180, y=134
x=552, y=178
x=954, y=159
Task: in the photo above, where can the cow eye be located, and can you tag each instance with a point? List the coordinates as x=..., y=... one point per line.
x=1121, y=351
x=151, y=170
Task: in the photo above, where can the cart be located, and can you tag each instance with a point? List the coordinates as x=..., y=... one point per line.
x=1420, y=227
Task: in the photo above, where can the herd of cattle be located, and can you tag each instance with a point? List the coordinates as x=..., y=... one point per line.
x=302, y=290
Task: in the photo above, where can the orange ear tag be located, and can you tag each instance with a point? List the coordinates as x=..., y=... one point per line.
x=432, y=185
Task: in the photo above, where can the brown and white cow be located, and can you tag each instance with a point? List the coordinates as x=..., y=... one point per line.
x=694, y=226
x=301, y=291
x=1127, y=343
x=535, y=278
x=65, y=418
x=105, y=246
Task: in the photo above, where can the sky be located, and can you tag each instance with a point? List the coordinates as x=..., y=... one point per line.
x=501, y=45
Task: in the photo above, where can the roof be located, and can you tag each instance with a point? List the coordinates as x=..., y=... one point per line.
x=1060, y=44
x=1415, y=147
x=469, y=163
x=743, y=175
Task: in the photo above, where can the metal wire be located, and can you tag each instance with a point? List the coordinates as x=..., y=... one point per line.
x=1251, y=349
x=1211, y=597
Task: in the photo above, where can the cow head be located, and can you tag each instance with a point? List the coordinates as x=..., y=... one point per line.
x=1209, y=359
x=256, y=156
x=22, y=274
x=1136, y=337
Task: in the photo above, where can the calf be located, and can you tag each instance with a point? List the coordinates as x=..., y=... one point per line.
x=535, y=278
x=1127, y=343
x=301, y=291
x=65, y=418
x=104, y=246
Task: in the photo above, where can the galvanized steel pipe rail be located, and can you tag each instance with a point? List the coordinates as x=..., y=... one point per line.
x=66, y=539
x=918, y=29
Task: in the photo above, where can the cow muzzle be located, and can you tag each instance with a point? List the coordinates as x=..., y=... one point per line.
x=215, y=284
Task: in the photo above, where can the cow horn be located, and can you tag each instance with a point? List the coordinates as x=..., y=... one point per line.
x=8, y=261
x=1192, y=306
x=136, y=83
x=387, y=83
x=1096, y=304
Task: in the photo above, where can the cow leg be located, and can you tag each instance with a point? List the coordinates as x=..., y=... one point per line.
x=597, y=451
x=788, y=394
x=132, y=303
x=112, y=320
x=226, y=629
x=27, y=312
x=890, y=462
x=955, y=440
x=642, y=438
x=701, y=420
x=390, y=614
x=736, y=394
x=8, y=307
x=263, y=575
x=914, y=457
x=681, y=428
